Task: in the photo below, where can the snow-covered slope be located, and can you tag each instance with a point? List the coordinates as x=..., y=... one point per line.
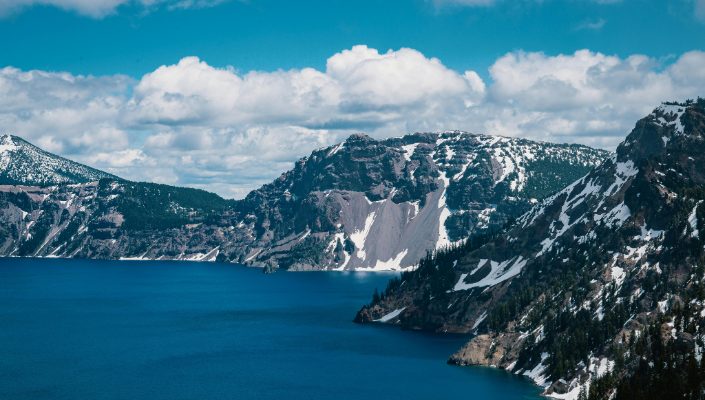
x=25, y=164
x=615, y=255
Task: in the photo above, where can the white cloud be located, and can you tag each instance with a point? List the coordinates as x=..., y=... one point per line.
x=101, y=8
x=192, y=92
x=67, y=113
x=395, y=78
x=116, y=160
x=591, y=24
x=220, y=129
x=91, y=8
x=359, y=87
x=586, y=97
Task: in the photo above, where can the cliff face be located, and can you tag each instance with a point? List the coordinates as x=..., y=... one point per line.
x=362, y=204
x=384, y=204
x=586, y=284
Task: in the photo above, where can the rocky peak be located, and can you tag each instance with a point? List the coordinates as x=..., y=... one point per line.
x=358, y=139
x=670, y=127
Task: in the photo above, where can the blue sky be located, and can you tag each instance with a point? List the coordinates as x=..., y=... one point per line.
x=226, y=95
x=270, y=34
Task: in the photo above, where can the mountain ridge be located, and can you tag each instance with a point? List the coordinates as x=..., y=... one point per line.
x=571, y=293
x=362, y=204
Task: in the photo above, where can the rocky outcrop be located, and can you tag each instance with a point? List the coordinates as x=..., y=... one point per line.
x=491, y=350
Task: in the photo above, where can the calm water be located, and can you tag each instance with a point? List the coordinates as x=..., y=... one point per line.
x=163, y=330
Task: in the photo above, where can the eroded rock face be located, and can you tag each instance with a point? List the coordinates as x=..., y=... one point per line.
x=383, y=204
x=490, y=349
x=589, y=279
x=362, y=204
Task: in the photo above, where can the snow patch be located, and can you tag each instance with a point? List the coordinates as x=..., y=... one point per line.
x=391, y=315
x=618, y=275
x=479, y=320
x=649, y=235
x=615, y=217
x=500, y=272
x=675, y=112
x=537, y=373
x=336, y=149
x=663, y=306
x=443, y=240
x=393, y=263
x=360, y=236
x=253, y=255
x=693, y=221
x=623, y=172
x=7, y=145
x=409, y=150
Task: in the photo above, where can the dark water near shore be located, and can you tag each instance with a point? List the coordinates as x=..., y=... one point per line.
x=95, y=330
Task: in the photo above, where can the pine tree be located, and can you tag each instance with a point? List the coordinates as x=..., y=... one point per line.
x=375, y=297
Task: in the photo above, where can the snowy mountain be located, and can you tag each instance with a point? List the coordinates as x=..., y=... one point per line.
x=369, y=204
x=362, y=204
x=23, y=163
x=598, y=289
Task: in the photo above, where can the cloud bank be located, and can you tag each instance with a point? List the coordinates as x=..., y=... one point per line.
x=101, y=8
x=194, y=124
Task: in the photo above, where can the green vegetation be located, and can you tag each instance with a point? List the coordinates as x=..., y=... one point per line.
x=549, y=175
x=662, y=369
x=437, y=267
x=147, y=206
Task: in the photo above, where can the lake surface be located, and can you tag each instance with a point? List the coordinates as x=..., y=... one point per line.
x=72, y=329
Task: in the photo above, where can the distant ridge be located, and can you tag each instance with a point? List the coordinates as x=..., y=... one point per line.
x=363, y=204
x=22, y=163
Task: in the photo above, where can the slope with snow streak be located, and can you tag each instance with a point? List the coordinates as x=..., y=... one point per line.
x=608, y=254
x=421, y=192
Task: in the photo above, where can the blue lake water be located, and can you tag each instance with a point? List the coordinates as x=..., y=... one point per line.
x=72, y=329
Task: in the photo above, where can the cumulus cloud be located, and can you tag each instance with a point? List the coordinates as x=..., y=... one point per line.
x=65, y=113
x=192, y=92
x=194, y=124
x=396, y=78
x=92, y=8
x=101, y=8
x=600, y=95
